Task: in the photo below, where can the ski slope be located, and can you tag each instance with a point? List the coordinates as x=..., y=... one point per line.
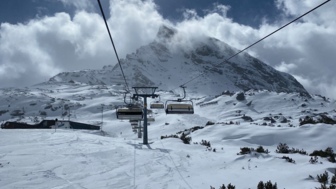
x=79, y=159
x=115, y=157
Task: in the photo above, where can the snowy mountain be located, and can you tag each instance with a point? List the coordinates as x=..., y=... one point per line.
x=170, y=61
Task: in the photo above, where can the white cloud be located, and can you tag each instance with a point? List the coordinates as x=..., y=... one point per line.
x=218, y=8
x=46, y=46
x=79, y=4
x=190, y=14
x=327, y=89
x=322, y=15
x=284, y=67
x=133, y=23
x=308, y=44
x=37, y=50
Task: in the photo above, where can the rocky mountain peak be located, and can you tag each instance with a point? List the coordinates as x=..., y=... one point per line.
x=169, y=65
x=165, y=33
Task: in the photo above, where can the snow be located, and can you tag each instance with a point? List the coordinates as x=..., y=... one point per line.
x=78, y=159
x=116, y=157
x=171, y=63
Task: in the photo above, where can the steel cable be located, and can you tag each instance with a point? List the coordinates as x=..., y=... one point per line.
x=258, y=41
x=115, y=50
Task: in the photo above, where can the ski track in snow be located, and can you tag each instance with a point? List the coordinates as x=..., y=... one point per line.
x=71, y=159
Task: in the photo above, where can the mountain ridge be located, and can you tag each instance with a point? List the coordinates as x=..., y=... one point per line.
x=170, y=61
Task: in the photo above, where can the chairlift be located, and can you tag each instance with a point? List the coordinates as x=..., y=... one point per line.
x=180, y=106
x=129, y=112
x=150, y=119
x=157, y=104
x=134, y=123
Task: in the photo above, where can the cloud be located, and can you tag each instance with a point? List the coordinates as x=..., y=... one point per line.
x=303, y=49
x=48, y=45
x=35, y=51
x=134, y=23
x=218, y=8
x=307, y=44
x=284, y=67
x=79, y=4
x=322, y=15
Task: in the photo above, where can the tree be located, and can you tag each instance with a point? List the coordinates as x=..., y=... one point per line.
x=323, y=178
x=261, y=185
x=240, y=96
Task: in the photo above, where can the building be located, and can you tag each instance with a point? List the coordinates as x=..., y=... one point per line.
x=49, y=124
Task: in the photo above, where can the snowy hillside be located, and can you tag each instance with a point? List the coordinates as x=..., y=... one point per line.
x=115, y=157
x=170, y=61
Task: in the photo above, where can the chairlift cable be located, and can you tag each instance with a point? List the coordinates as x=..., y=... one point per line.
x=259, y=40
x=134, y=165
x=115, y=50
x=178, y=171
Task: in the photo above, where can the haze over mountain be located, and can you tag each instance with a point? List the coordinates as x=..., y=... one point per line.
x=170, y=61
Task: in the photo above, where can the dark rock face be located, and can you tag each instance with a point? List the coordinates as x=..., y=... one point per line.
x=165, y=33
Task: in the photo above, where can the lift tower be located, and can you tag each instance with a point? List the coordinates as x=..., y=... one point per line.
x=145, y=92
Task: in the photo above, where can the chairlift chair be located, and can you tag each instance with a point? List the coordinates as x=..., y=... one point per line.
x=150, y=119
x=157, y=105
x=134, y=123
x=129, y=113
x=179, y=107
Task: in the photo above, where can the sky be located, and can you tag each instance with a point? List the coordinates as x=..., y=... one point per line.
x=41, y=38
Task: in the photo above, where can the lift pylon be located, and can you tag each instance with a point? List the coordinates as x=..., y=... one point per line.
x=145, y=92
